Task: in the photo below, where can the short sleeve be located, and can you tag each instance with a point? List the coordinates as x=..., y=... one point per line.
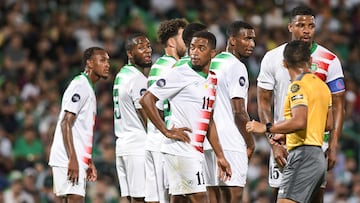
x=167, y=85
x=297, y=95
x=139, y=85
x=266, y=78
x=78, y=95
x=238, y=81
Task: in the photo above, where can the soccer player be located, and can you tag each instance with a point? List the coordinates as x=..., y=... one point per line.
x=273, y=81
x=71, y=150
x=190, y=89
x=230, y=115
x=308, y=114
x=130, y=119
x=170, y=36
x=187, y=35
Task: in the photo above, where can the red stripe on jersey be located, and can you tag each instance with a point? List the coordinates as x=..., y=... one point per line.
x=322, y=65
x=326, y=55
x=86, y=160
x=200, y=149
x=202, y=126
x=199, y=138
x=322, y=76
x=211, y=103
x=88, y=150
x=205, y=114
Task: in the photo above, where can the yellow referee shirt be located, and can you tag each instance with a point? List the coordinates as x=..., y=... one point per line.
x=312, y=92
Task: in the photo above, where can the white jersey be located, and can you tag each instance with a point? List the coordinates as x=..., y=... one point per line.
x=232, y=83
x=129, y=85
x=160, y=67
x=191, y=98
x=79, y=98
x=274, y=76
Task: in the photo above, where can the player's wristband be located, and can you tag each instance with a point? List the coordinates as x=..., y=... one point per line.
x=268, y=126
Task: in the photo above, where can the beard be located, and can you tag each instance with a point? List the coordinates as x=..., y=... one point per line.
x=141, y=62
x=144, y=65
x=197, y=67
x=101, y=76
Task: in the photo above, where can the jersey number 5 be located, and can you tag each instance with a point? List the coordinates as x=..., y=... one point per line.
x=117, y=113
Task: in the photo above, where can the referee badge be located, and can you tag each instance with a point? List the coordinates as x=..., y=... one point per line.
x=294, y=88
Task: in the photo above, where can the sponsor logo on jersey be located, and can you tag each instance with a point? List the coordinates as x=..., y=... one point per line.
x=298, y=96
x=142, y=91
x=161, y=82
x=242, y=81
x=294, y=88
x=75, y=97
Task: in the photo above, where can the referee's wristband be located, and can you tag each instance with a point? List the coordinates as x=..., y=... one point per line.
x=268, y=126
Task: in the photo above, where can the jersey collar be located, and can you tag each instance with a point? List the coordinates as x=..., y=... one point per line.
x=135, y=67
x=313, y=47
x=202, y=74
x=88, y=79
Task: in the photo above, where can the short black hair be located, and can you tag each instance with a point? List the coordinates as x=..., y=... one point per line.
x=189, y=31
x=88, y=53
x=301, y=10
x=236, y=26
x=207, y=35
x=297, y=52
x=170, y=28
x=130, y=43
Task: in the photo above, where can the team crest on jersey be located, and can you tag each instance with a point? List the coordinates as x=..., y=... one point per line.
x=161, y=82
x=296, y=97
x=142, y=91
x=294, y=88
x=313, y=67
x=75, y=97
x=242, y=81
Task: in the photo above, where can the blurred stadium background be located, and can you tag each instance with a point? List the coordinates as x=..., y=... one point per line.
x=41, y=42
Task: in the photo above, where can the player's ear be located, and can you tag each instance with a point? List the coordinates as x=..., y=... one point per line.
x=171, y=42
x=286, y=65
x=89, y=63
x=290, y=27
x=129, y=54
x=232, y=41
x=213, y=53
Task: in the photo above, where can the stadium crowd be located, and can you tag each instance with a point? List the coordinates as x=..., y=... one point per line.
x=41, y=42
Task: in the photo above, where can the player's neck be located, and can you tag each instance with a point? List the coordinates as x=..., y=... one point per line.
x=169, y=51
x=296, y=73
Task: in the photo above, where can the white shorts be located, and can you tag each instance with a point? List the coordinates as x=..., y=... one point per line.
x=239, y=167
x=185, y=174
x=62, y=186
x=131, y=174
x=275, y=172
x=155, y=178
